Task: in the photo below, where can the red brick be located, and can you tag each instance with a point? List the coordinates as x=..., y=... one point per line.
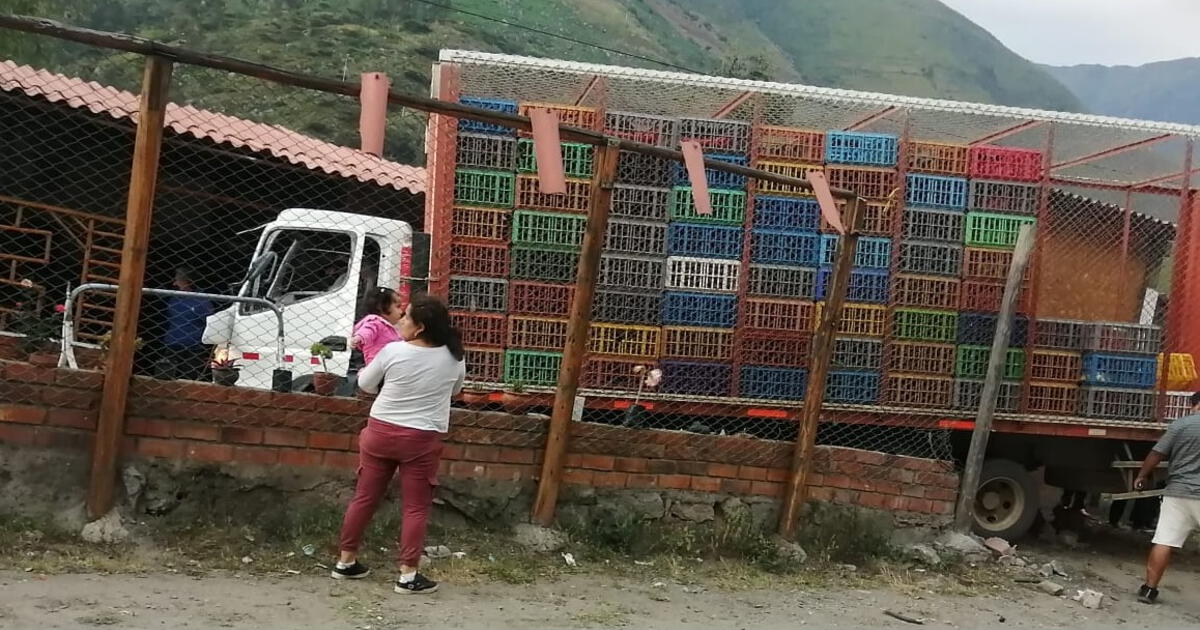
x=354, y=442
x=577, y=477
x=888, y=487
x=706, y=484
x=837, y=481
x=340, y=459
x=942, y=507
x=630, y=464
x=299, y=401
x=766, y=488
x=196, y=431
x=641, y=481
x=79, y=379
x=255, y=455
x=941, y=494
x=923, y=506
x=938, y=480
x=735, y=486
x=507, y=472
x=723, y=470
x=821, y=494
x=73, y=418
x=922, y=465
x=466, y=470
x=153, y=447
x=778, y=474
x=329, y=441
x=247, y=397
x=913, y=491
x=839, y=454
x=871, y=458
x=284, y=437
x=518, y=456
x=693, y=468
x=148, y=427
x=815, y=479
x=73, y=398
x=203, y=452
x=63, y=438
x=852, y=469
x=26, y=373
x=449, y=451
x=602, y=479
x=17, y=434
x=299, y=457
x=661, y=466
x=22, y=414
x=753, y=473
x=597, y=462
x=478, y=453
x=241, y=435
x=675, y=482
x=901, y=475
x=330, y=404
x=204, y=392
x=872, y=500
x=845, y=497
x=573, y=460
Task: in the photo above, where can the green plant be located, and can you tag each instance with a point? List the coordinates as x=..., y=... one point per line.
x=515, y=387
x=322, y=351
x=105, y=343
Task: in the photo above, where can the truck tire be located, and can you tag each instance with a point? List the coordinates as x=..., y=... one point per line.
x=1007, y=500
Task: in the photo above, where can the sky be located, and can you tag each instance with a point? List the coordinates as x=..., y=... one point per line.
x=1109, y=32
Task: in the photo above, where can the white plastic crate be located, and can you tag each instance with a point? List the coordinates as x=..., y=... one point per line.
x=702, y=274
x=1179, y=404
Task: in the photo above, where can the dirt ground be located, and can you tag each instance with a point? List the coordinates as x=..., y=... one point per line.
x=603, y=597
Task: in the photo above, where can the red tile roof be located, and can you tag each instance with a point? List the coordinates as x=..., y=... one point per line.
x=280, y=142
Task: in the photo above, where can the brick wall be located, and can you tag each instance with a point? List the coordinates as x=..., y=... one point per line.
x=207, y=423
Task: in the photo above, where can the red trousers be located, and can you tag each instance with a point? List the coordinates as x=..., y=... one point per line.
x=382, y=449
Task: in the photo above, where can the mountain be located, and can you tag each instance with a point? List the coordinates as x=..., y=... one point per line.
x=1167, y=90
x=910, y=47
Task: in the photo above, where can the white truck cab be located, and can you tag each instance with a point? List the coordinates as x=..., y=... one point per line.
x=317, y=267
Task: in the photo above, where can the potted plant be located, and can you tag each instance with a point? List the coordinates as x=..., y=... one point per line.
x=515, y=399
x=324, y=383
x=636, y=412
x=225, y=370
x=475, y=397
x=41, y=334
x=105, y=344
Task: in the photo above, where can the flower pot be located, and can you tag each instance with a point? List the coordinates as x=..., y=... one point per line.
x=225, y=377
x=516, y=403
x=325, y=384
x=45, y=359
x=476, y=399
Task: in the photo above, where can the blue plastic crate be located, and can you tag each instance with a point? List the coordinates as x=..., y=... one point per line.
x=866, y=285
x=1119, y=370
x=867, y=149
x=801, y=249
x=775, y=383
x=495, y=104
x=716, y=179
x=872, y=252
x=793, y=214
x=696, y=378
x=853, y=386
x=704, y=241
x=977, y=329
x=681, y=308
x=936, y=191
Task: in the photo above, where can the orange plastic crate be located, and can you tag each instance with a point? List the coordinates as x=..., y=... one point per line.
x=603, y=372
x=1053, y=398
x=790, y=145
x=537, y=333
x=1056, y=365
x=783, y=316
x=877, y=183
x=485, y=365
x=686, y=342
x=481, y=329
x=537, y=298
x=857, y=320
x=576, y=199
x=926, y=291
x=921, y=358
x=915, y=390
x=878, y=219
x=768, y=348
x=937, y=158
x=489, y=224
x=625, y=340
x=570, y=115
x=479, y=259
x=787, y=169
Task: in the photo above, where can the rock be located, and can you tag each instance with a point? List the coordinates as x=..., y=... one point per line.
x=107, y=529
x=1090, y=599
x=847, y=568
x=134, y=482
x=1012, y=561
x=1050, y=588
x=247, y=560
x=1051, y=569
x=999, y=546
x=693, y=512
x=924, y=554
x=645, y=506
x=790, y=551
x=969, y=547
x=540, y=539
x=439, y=552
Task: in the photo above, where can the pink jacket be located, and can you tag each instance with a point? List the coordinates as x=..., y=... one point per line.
x=373, y=333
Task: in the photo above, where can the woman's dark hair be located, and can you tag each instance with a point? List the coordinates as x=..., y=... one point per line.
x=378, y=300
x=431, y=313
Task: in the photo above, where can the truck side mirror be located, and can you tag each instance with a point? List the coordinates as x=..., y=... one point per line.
x=336, y=344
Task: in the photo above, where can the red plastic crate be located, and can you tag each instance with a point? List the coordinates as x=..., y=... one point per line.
x=601, y=372
x=988, y=264
x=921, y=358
x=916, y=390
x=769, y=348
x=481, y=329
x=877, y=183
x=1055, y=365
x=479, y=259
x=1053, y=398
x=485, y=365
x=489, y=224
x=986, y=295
x=782, y=316
x=926, y=291
x=937, y=158
x=1009, y=163
x=576, y=199
x=538, y=298
x=537, y=333
x=789, y=144
x=570, y=115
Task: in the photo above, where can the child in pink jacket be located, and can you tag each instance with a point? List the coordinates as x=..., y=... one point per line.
x=378, y=328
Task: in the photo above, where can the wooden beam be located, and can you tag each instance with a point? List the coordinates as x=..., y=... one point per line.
x=588, y=89
x=855, y=126
x=1004, y=133
x=577, y=337
x=796, y=493
x=110, y=425
x=964, y=515
x=729, y=107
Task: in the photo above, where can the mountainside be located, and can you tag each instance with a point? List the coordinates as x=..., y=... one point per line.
x=911, y=47
x=1166, y=90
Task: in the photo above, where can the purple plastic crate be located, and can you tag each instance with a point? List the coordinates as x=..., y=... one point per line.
x=697, y=378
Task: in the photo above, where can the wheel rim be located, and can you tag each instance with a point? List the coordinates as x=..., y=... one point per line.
x=999, y=504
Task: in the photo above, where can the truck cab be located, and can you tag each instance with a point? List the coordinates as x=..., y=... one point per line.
x=316, y=266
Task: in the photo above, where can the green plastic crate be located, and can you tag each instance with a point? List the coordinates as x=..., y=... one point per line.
x=531, y=367
x=987, y=229
x=971, y=362
x=545, y=265
x=729, y=206
x=496, y=189
x=919, y=324
x=548, y=230
x=577, y=158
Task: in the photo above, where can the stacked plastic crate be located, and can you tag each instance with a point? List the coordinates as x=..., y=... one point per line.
x=703, y=265
x=1120, y=371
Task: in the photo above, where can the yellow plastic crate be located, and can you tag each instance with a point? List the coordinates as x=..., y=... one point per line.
x=689, y=342
x=626, y=341
x=787, y=169
x=1181, y=370
x=859, y=320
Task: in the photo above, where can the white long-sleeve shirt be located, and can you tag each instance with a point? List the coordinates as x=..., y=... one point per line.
x=417, y=383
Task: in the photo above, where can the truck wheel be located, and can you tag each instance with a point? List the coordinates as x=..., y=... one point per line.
x=1006, y=502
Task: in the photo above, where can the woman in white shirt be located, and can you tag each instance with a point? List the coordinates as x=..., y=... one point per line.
x=408, y=419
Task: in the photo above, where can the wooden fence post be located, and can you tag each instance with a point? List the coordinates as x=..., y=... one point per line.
x=110, y=425
x=577, y=336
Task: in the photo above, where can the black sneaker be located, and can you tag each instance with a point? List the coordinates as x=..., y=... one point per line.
x=356, y=571
x=1147, y=595
x=420, y=585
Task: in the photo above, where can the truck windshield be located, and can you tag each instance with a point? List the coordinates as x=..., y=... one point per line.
x=307, y=264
